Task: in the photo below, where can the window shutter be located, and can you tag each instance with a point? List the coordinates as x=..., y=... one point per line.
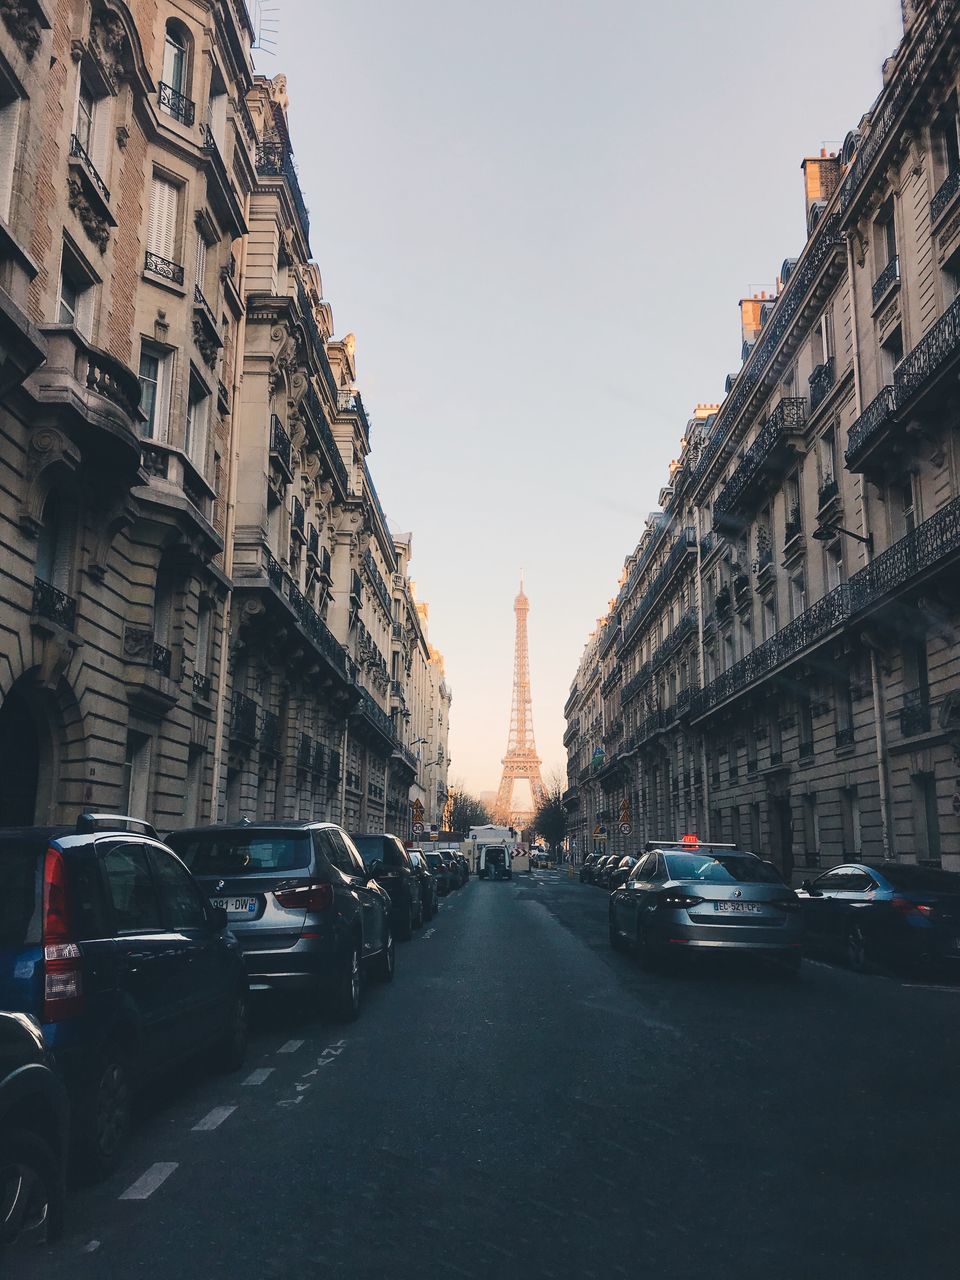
x=162, y=234
x=9, y=118
x=201, y=261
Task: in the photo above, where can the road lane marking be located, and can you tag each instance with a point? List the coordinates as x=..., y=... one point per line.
x=213, y=1119
x=929, y=986
x=148, y=1182
x=290, y=1102
x=92, y=1247
x=258, y=1076
x=428, y=934
x=301, y=1088
x=291, y=1046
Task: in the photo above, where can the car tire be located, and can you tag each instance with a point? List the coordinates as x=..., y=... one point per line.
x=348, y=986
x=101, y=1118
x=856, y=945
x=230, y=1051
x=405, y=925
x=647, y=955
x=32, y=1191
x=385, y=962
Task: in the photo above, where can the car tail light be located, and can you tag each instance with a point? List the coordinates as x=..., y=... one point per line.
x=673, y=899
x=308, y=897
x=909, y=908
x=62, y=971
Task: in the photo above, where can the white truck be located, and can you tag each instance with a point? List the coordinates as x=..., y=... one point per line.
x=503, y=849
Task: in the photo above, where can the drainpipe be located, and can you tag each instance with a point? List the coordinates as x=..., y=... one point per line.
x=886, y=817
x=229, y=528
x=343, y=771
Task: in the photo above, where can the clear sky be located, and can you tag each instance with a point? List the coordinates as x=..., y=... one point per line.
x=537, y=216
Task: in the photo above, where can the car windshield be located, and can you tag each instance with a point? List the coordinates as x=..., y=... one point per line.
x=434, y=859
x=721, y=868
x=238, y=853
x=378, y=849
x=917, y=879
x=18, y=900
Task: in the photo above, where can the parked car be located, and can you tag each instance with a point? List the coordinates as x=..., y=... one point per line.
x=464, y=866
x=620, y=870
x=540, y=859
x=454, y=869
x=441, y=870
x=890, y=913
x=588, y=868
x=429, y=891
x=33, y=1133
x=706, y=897
x=306, y=912
x=109, y=944
x=604, y=867
x=388, y=862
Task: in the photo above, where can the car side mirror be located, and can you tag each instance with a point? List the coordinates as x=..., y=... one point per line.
x=374, y=869
x=807, y=887
x=217, y=917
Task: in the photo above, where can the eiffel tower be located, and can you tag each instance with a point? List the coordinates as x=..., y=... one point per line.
x=521, y=760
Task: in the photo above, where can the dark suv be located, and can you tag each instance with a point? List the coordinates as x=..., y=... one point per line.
x=307, y=913
x=107, y=941
x=33, y=1135
x=385, y=858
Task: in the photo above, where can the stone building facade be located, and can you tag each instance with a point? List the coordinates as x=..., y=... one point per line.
x=196, y=609
x=780, y=667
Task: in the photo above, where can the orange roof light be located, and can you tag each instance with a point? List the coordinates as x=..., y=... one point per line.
x=690, y=842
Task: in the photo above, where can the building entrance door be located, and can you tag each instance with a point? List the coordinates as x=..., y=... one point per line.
x=19, y=762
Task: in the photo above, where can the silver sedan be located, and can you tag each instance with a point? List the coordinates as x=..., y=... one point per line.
x=708, y=896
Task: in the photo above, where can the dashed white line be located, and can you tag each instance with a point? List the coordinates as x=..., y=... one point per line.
x=148, y=1182
x=929, y=986
x=258, y=1076
x=213, y=1119
x=291, y=1046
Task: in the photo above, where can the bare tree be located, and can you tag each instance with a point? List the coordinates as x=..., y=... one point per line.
x=465, y=810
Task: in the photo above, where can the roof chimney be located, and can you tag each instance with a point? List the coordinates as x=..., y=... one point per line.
x=750, y=317
x=821, y=176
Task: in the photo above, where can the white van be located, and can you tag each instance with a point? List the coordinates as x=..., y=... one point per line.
x=494, y=862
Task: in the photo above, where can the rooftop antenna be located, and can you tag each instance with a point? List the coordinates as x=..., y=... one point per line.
x=266, y=26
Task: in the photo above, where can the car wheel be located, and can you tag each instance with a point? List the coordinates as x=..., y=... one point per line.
x=647, y=953
x=405, y=931
x=230, y=1051
x=102, y=1119
x=31, y=1188
x=856, y=949
x=386, y=960
x=346, y=996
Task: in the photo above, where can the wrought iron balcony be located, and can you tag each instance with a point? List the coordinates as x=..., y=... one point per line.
x=316, y=761
x=888, y=277
x=821, y=380
x=297, y=518
x=176, y=104
x=376, y=579
x=928, y=359
x=313, y=542
x=201, y=686
x=274, y=571
x=772, y=448
x=742, y=594
x=161, y=659
x=274, y=160
x=829, y=489
x=793, y=527
x=915, y=713
x=203, y=306
x=280, y=447
x=635, y=683
x=356, y=589
x=723, y=603
x=572, y=731
x=296, y=598
x=270, y=732
x=243, y=718
x=158, y=266
x=806, y=750
x=685, y=544
x=374, y=714
x=686, y=626
x=612, y=680
x=945, y=193
x=927, y=547
x=324, y=564
x=869, y=426
x=304, y=751
x=54, y=605
x=78, y=152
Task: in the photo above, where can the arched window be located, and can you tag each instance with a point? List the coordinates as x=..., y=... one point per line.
x=175, y=58
x=55, y=543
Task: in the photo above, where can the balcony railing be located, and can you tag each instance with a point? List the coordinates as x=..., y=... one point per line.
x=686, y=626
x=375, y=714
x=201, y=686
x=274, y=571
x=315, y=409
x=376, y=579
x=313, y=541
x=828, y=490
x=685, y=544
x=323, y=563
x=296, y=598
x=161, y=659
x=316, y=761
x=274, y=160
x=821, y=380
x=77, y=150
x=929, y=356
x=888, y=277
x=269, y=732
x=793, y=527
x=874, y=419
x=356, y=589
x=54, y=605
x=930, y=543
x=171, y=271
x=915, y=713
x=806, y=750
x=786, y=422
x=297, y=518
x=203, y=306
x=945, y=193
x=635, y=683
x=176, y=104
x=611, y=682
x=304, y=751
x=280, y=446
x=243, y=718
x=723, y=603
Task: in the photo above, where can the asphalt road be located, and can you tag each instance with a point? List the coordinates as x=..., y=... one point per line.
x=523, y=1102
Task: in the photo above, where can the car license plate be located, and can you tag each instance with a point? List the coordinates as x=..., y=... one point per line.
x=236, y=906
x=740, y=908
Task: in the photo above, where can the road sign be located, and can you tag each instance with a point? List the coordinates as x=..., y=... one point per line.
x=418, y=811
x=600, y=832
x=418, y=828
x=626, y=828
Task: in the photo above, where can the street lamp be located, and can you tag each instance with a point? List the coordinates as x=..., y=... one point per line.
x=826, y=532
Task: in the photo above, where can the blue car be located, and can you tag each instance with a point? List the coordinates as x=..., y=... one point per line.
x=109, y=944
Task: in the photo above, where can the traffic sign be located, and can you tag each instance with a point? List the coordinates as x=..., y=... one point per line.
x=418, y=828
x=600, y=831
x=626, y=828
x=418, y=811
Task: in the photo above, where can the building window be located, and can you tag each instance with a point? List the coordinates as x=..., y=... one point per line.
x=926, y=819
x=175, y=58
x=904, y=509
x=805, y=725
x=891, y=353
x=833, y=565
x=885, y=236
x=136, y=775
x=946, y=146
x=198, y=424
x=86, y=107
x=755, y=844
x=75, y=292
x=850, y=821
x=163, y=227
x=811, y=831
x=798, y=595
x=54, y=563
x=154, y=390
x=9, y=134
x=793, y=523
x=201, y=263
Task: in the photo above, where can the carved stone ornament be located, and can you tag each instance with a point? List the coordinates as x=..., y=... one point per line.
x=96, y=227
x=123, y=136
x=204, y=343
x=108, y=43
x=137, y=643
x=23, y=22
x=48, y=452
